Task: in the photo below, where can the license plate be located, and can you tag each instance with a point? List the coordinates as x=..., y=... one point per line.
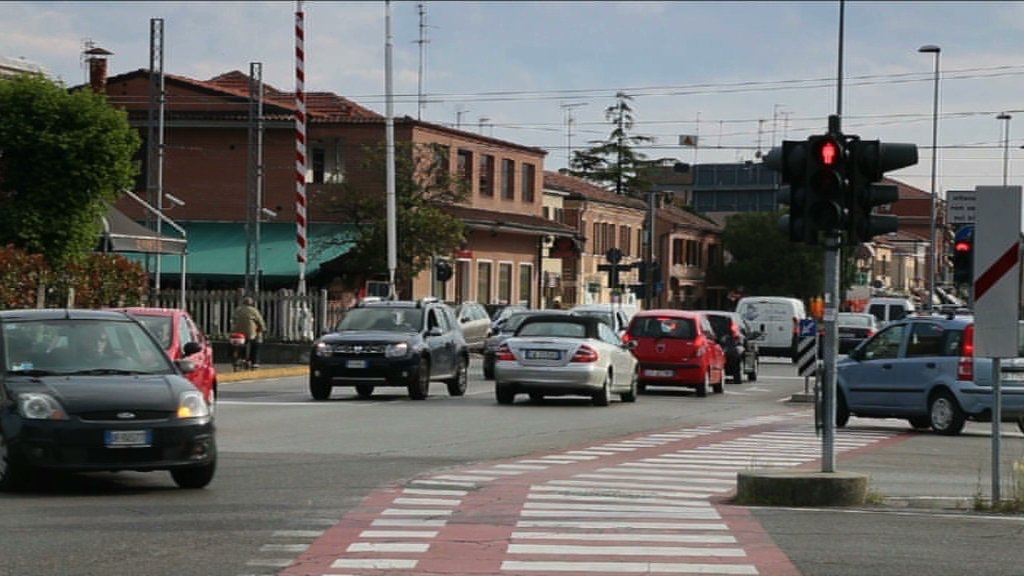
x=1011, y=376
x=356, y=364
x=543, y=354
x=659, y=373
x=128, y=438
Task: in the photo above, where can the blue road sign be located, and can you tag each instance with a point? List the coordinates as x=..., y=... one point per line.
x=808, y=327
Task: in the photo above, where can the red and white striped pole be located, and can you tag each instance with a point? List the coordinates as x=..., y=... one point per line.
x=300, y=146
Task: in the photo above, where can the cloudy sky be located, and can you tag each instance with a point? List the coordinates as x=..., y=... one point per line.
x=739, y=75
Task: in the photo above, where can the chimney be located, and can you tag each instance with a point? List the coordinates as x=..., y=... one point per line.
x=97, y=59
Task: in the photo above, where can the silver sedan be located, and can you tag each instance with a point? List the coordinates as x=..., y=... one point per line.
x=559, y=355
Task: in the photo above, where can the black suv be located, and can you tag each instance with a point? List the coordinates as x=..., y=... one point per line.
x=391, y=343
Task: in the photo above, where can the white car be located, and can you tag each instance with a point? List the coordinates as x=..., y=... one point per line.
x=565, y=355
x=616, y=315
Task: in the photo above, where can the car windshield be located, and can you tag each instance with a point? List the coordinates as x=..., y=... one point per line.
x=383, y=318
x=77, y=346
x=556, y=328
x=159, y=326
x=663, y=327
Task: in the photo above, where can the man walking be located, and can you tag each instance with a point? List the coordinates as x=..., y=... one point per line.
x=247, y=320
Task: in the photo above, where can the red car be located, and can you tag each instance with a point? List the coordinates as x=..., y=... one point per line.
x=182, y=339
x=677, y=348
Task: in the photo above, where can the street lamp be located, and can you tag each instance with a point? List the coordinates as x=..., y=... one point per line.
x=1006, y=143
x=932, y=49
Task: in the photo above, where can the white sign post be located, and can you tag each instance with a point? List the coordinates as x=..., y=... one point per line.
x=996, y=285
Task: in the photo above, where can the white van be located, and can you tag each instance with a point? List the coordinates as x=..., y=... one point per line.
x=774, y=321
x=890, y=309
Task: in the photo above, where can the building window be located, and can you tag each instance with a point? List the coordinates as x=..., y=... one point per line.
x=504, y=283
x=595, y=239
x=525, y=284
x=483, y=282
x=508, y=179
x=461, y=279
x=465, y=166
x=559, y=215
x=319, y=158
x=624, y=238
x=486, y=175
x=529, y=180
x=677, y=251
x=639, y=242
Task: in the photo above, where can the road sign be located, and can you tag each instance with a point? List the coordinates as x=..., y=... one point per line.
x=960, y=206
x=613, y=256
x=808, y=327
x=997, y=271
x=807, y=355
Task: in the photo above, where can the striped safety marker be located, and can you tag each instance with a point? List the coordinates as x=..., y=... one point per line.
x=300, y=142
x=807, y=355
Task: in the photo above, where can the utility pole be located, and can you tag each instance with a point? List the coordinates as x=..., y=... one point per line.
x=155, y=130
x=255, y=204
x=421, y=103
x=569, y=121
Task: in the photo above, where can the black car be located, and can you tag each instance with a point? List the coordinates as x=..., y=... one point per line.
x=733, y=334
x=391, y=343
x=91, y=390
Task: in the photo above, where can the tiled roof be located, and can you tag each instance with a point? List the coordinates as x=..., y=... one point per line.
x=906, y=190
x=510, y=219
x=580, y=188
x=688, y=219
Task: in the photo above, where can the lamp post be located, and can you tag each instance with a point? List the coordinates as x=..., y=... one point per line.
x=1006, y=143
x=933, y=253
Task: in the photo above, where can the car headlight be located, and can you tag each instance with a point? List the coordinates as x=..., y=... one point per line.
x=397, y=350
x=192, y=405
x=37, y=406
x=321, y=348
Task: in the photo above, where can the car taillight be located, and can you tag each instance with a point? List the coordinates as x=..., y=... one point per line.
x=965, y=367
x=585, y=354
x=504, y=353
x=796, y=326
x=626, y=337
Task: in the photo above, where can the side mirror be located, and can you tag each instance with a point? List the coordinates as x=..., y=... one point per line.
x=435, y=331
x=191, y=348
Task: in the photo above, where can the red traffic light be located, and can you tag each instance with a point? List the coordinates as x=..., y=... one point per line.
x=962, y=246
x=829, y=153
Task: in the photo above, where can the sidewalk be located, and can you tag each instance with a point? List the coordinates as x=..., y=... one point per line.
x=226, y=373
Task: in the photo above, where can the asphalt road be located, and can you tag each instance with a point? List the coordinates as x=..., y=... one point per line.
x=291, y=466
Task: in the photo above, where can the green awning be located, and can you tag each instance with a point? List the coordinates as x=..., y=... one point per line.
x=218, y=248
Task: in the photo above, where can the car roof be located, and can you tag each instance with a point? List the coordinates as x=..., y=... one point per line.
x=947, y=321
x=62, y=313
x=143, y=311
x=561, y=317
x=671, y=312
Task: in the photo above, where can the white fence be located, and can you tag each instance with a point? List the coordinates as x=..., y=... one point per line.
x=290, y=317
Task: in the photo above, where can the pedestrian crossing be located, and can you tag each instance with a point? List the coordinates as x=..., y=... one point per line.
x=654, y=504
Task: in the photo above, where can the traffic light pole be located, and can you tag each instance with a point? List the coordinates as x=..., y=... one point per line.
x=828, y=436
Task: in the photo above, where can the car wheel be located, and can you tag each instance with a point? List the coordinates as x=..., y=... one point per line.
x=13, y=473
x=702, y=388
x=603, y=397
x=737, y=372
x=630, y=396
x=919, y=422
x=752, y=375
x=319, y=388
x=488, y=368
x=364, y=390
x=719, y=387
x=458, y=384
x=194, y=477
x=419, y=386
x=504, y=394
x=842, y=411
x=945, y=414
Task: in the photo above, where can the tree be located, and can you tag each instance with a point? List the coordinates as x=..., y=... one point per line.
x=765, y=263
x=64, y=156
x=423, y=187
x=614, y=162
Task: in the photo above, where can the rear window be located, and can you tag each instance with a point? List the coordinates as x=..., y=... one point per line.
x=557, y=329
x=663, y=327
x=720, y=324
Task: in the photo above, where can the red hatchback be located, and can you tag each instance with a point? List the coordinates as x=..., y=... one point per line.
x=677, y=348
x=182, y=339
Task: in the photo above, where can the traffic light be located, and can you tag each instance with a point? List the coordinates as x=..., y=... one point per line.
x=963, y=256
x=790, y=161
x=443, y=270
x=826, y=175
x=869, y=161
